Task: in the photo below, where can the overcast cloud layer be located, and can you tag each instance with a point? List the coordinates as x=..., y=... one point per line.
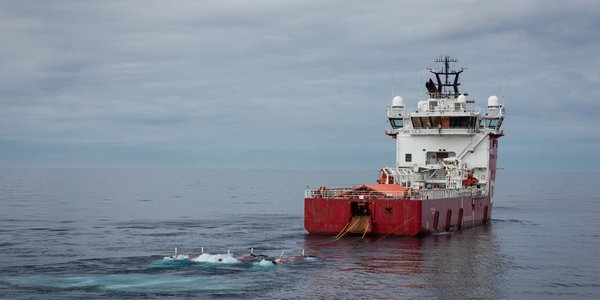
x=285, y=84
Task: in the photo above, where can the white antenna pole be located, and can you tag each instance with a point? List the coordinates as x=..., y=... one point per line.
x=503, y=86
x=393, y=84
x=503, y=81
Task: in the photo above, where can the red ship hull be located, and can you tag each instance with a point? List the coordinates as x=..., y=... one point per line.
x=398, y=217
x=400, y=214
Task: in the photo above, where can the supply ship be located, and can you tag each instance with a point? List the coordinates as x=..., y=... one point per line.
x=443, y=179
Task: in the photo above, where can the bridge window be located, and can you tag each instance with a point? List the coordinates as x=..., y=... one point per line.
x=397, y=123
x=462, y=122
x=408, y=157
x=495, y=122
x=426, y=122
x=417, y=122
x=444, y=122
x=490, y=123
x=436, y=121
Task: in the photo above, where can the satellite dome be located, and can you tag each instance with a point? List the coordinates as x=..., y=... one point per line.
x=461, y=99
x=493, y=101
x=397, y=102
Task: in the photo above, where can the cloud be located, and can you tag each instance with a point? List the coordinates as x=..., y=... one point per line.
x=221, y=79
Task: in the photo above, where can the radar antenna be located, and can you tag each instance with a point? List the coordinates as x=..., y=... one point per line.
x=448, y=88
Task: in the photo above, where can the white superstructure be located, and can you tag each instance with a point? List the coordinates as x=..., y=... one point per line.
x=445, y=142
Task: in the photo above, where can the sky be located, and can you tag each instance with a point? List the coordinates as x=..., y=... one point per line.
x=286, y=84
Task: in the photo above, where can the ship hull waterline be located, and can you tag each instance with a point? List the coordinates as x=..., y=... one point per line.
x=408, y=217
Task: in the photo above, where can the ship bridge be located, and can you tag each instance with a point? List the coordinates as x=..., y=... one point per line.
x=453, y=116
x=445, y=137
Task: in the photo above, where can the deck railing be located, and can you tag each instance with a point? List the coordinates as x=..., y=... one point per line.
x=445, y=131
x=423, y=194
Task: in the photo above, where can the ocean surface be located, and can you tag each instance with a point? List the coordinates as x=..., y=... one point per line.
x=104, y=233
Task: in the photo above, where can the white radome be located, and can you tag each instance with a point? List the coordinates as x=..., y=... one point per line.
x=461, y=99
x=493, y=101
x=398, y=102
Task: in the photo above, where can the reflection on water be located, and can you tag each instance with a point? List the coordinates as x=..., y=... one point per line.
x=467, y=264
x=462, y=265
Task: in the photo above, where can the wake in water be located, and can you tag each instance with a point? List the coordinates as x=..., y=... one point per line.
x=207, y=281
x=229, y=258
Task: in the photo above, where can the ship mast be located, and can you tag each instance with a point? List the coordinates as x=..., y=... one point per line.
x=448, y=88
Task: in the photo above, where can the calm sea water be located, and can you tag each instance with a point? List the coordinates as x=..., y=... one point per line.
x=103, y=233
